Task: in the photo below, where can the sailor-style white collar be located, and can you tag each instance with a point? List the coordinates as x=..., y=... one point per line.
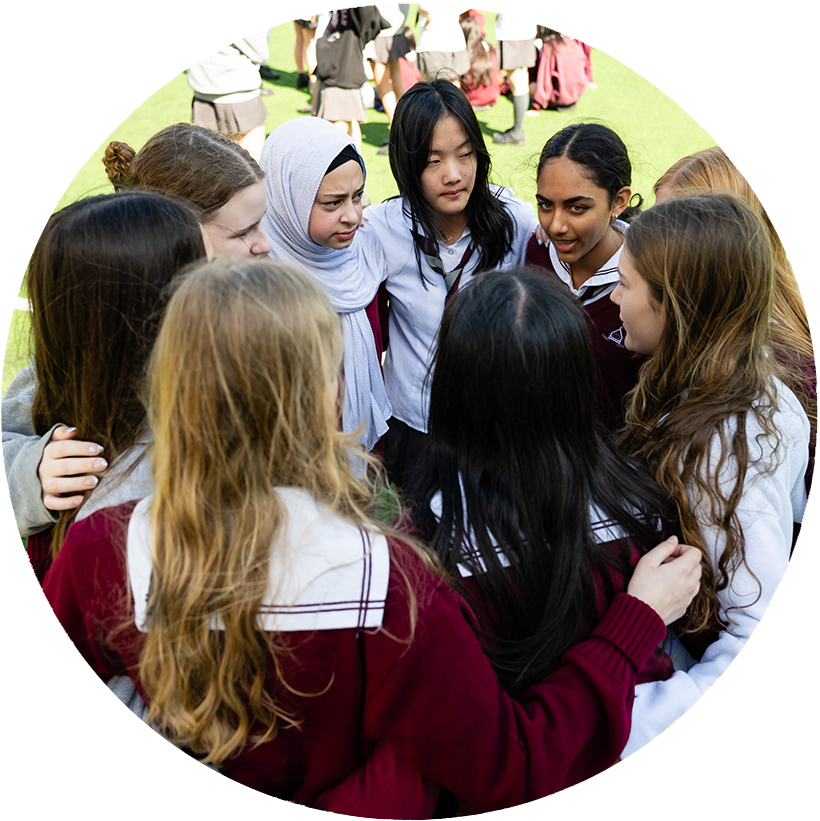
x=327, y=574
x=603, y=530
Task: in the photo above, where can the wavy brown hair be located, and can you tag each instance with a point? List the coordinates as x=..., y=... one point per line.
x=711, y=170
x=708, y=260
x=240, y=404
x=96, y=282
x=188, y=161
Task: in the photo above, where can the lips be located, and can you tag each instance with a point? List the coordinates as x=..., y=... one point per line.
x=345, y=235
x=564, y=246
x=453, y=195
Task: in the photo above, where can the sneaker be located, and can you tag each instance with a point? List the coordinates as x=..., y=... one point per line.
x=267, y=73
x=507, y=138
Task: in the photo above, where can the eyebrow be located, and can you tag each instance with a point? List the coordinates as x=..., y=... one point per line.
x=457, y=148
x=337, y=195
x=570, y=201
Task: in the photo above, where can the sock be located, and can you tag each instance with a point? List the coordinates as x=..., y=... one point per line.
x=520, y=106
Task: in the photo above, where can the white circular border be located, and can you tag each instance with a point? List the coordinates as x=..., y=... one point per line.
x=748, y=748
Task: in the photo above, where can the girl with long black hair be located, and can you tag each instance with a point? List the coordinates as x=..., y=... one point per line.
x=537, y=517
x=447, y=225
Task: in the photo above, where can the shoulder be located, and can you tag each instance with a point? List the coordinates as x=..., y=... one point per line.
x=104, y=527
x=385, y=214
x=93, y=556
x=523, y=213
x=789, y=419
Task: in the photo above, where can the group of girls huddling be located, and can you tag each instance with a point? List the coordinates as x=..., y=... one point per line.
x=602, y=455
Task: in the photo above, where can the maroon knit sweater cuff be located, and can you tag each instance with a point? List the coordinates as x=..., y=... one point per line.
x=633, y=627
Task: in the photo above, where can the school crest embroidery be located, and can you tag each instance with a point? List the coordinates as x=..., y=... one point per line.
x=617, y=336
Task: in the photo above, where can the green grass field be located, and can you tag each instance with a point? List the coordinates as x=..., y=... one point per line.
x=656, y=130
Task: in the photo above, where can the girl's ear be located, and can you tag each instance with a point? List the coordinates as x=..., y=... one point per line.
x=621, y=201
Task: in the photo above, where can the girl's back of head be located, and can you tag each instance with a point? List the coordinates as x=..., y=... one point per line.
x=481, y=63
x=96, y=284
x=241, y=371
x=512, y=457
x=601, y=152
x=505, y=344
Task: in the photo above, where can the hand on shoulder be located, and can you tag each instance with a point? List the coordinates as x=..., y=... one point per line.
x=69, y=467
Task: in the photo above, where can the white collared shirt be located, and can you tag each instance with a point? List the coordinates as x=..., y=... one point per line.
x=415, y=311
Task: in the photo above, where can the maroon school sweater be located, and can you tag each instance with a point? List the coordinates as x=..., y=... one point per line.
x=435, y=699
x=616, y=368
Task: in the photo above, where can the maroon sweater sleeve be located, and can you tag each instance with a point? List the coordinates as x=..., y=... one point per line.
x=439, y=703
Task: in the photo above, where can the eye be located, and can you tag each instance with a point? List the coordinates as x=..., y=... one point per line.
x=578, y=209
x=467, y=154
x=545, y=206
x=358, y=195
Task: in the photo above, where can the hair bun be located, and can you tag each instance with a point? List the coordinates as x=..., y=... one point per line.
x=117, y=161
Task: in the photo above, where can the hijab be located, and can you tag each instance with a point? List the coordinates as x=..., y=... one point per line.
x=296, y=157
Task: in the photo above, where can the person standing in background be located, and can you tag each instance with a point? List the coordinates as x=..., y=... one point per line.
x=515, y=34
x=384, y=53
x=227, y=92
x=441, y=43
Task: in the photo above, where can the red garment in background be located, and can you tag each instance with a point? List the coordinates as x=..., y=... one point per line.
x=560, y=73
x=481, y=96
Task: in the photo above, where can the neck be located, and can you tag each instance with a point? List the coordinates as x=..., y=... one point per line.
x=451, y=228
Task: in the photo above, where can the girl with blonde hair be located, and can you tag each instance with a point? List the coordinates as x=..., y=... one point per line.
x=725, y=437
x=273, y=628
x=711, y=170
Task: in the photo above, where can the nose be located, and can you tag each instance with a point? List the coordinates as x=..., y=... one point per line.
x=557, y=224
x=615, y=296
x=451, y=172
x=259, y=242
x=350, y=213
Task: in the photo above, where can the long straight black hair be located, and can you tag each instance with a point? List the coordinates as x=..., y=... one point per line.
x=513, y=451
x=417, y=114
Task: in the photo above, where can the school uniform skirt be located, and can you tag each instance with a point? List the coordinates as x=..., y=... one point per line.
x=516, y=54
x=340, y=104
x=431, y=62
x=230, y=118
x=388, y=49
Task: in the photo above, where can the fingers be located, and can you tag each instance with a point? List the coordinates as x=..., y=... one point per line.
x=62, y=432
x=67, y=469
x=667, y=578
x=60, y=503
x=62, y=449
x=663, y=552
x=57, y=468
